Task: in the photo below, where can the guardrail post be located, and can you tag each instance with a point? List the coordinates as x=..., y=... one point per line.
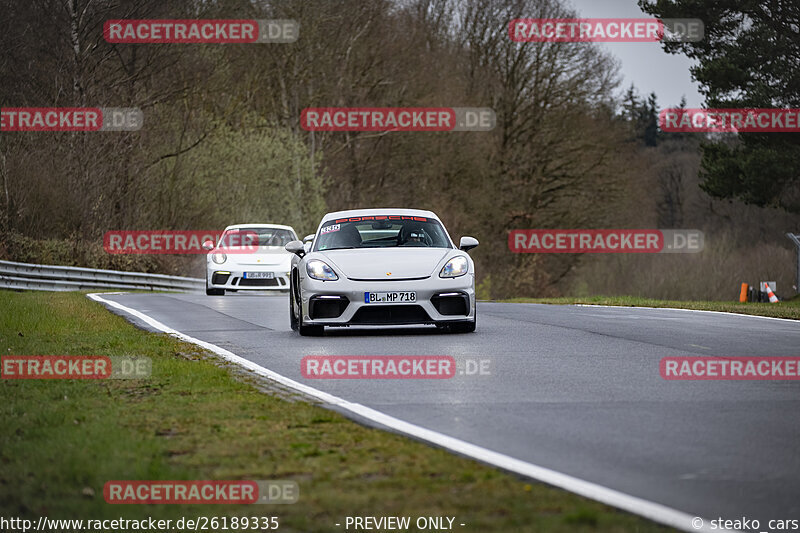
x=796, y=240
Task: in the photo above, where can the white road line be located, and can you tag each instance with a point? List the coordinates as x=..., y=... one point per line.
x=647, y=509
x=689, y=310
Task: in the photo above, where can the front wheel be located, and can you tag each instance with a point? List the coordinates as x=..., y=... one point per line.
x=292, y=317
x=296, y=321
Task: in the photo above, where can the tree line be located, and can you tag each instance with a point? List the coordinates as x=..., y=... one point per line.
x=222, y=141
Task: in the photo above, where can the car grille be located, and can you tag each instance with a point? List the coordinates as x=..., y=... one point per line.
x=391, y=314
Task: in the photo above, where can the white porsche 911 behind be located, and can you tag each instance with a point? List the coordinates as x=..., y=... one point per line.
x=375, y=267
x=249, y=257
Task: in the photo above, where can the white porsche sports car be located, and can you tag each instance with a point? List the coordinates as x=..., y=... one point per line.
x=381, y=267
x=257, y=262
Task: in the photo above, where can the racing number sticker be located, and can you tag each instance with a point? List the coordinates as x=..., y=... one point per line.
x=329, y=229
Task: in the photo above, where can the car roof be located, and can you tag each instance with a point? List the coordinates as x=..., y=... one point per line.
x=245, y=226
x=380, y=211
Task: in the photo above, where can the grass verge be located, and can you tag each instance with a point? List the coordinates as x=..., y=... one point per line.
x=785, y=309
x=62, y=440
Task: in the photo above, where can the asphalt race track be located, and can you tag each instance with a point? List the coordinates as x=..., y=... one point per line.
x=573, y=389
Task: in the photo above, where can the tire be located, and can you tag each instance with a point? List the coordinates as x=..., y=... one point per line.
x=292, y=318
x=297, y=322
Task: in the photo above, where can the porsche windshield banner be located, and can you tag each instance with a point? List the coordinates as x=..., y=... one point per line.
x=398, y=218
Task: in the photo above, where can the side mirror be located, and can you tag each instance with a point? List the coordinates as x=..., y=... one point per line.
x=296, y=247
x=307, y=246
x=208, y=245
x=468, y=243
x=308, y=238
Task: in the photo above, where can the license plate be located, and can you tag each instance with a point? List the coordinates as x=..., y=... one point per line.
x=389, y=297
x=259, y=275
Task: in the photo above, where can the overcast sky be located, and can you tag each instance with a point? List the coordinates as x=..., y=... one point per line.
x=646, y=65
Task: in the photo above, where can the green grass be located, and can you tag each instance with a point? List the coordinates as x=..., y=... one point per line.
x=197, y=418
x=785, y=309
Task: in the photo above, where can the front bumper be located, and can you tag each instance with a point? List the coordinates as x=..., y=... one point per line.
x=341, y=302
x=233, y=279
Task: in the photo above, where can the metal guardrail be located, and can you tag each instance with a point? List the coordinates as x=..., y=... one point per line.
x=64, y=278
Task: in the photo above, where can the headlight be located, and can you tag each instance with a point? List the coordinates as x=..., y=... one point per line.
x=219, y=258
x=320, y=270
x=457, y=266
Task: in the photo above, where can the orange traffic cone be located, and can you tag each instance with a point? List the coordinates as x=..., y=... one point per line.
x=772, y=298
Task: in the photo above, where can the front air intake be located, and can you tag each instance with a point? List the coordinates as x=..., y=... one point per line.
x=245, y=282
x=327, y=306
x=220, y=278
x=451, y=303
x=379, y=315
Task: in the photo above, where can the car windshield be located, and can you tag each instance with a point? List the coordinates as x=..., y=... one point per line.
x=263, y=236
x=390, y=231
